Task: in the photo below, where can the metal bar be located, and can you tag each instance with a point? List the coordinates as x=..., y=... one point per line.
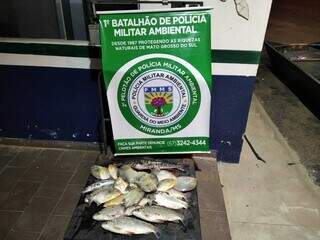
x=94, y=9
x=306, y=60
x=67, y=19
x=103, y=120
x=62, y=28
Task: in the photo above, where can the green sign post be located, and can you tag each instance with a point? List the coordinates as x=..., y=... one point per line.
x=157, y=71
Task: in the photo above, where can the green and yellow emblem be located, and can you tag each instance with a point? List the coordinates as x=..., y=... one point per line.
x=159, y=96
x=158, y=100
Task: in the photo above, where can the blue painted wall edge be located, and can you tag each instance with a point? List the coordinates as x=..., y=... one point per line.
x=62, y=104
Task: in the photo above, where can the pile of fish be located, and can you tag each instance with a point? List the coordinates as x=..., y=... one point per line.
x=138, y=194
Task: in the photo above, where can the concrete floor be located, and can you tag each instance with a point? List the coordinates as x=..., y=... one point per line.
x=275, y=200
x=297, y=124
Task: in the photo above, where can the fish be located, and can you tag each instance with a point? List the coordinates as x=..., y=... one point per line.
x=145, y=201
x=128, y=174
x=97, y=185
x=158, y=214
x=163, y=174
x=121, y=185
x=100, y=172
x=166, y=184
x=113, y=170
x=185, y=184
x=102, y=195
x=129, y=226
x=106, y=188
x=146, y=164
x=132, y=185
x=109, y=213
x=116, y=201
x=147, y=182
x=129, y=210
x=165, y=200
x=174, y=193
x=133, y=197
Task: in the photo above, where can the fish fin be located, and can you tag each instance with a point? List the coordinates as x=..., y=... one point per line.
x=184, y=224
x=157, y=234
x=184, y=228
x=196, y=166
x=86, y=190
x=88, y=201
x=117, y=228
x=95, y=223
x=157, y=168
x=182, y=168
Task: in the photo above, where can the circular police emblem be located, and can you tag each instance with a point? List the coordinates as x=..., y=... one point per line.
x=158, y=96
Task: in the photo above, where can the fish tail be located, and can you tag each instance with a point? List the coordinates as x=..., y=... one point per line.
x=184, y=226
x=196, y=166
x=182, y=167
x=157, y=233
x=184, y=222
x=86, y=190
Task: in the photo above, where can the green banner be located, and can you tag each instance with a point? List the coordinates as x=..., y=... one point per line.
x=157, y=71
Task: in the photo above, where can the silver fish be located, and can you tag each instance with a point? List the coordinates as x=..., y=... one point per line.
x=185, y=184
x=129, y=210
x=121, y=185
x=163, y=174
x=145, y=164
x=116, y=201
x=100, y=172
x=128, y=174
x=158, y=214
x=113, y=170
x=97, y=185
x=89, y=197
x=147, y=182
x=109, y=213
x=133, y=197
x=129, y=226
x=102, y=195
x=165, y=200
x=145, y=201
x=174, y=193
x=166, y=184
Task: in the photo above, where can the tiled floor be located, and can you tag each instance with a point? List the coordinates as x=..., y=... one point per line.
x=40, y=187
